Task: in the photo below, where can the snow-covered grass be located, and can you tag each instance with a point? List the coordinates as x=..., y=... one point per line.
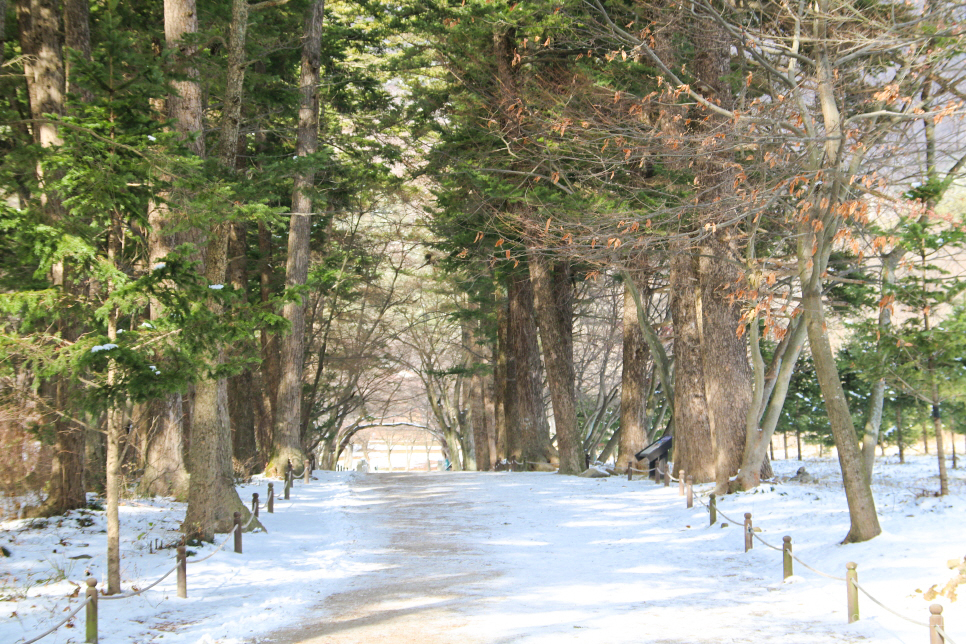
x=545, y=557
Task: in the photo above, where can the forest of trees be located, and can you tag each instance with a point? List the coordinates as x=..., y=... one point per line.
x=233, y=234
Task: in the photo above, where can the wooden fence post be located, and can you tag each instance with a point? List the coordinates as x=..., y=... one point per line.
x=787, y=557
x=680, y=482
x=749, y=532
x=182, y=572
x=288, y=483
x=271, y=498
x=936, y=619
x=238, y=532
x=852, y=578
x=667, y=473
x=255, y=503
x=713, y=509
x=308, y=472
x=630, y=472
x=91, y=594
x=689, y=491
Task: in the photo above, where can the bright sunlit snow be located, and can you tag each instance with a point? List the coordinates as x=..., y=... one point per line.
x=508, y=557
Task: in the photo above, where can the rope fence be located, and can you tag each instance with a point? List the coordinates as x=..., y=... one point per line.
x=936, y=633
x=92, y=598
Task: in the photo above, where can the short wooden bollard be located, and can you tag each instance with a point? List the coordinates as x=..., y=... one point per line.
x=690, y=491
x=238, y=533
x=851, y=579
x=630, y=471
x=288, y=484
x=255, y=503
x=936, y=619
x=182, y=572
x=713, y=509
x=787, y=557
x=271, y=498
x=680, y=482
x=667, y=474
x=91, y=595
x=308, y=472
x=749, y=532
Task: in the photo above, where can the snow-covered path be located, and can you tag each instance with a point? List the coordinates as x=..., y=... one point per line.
x=495, y=558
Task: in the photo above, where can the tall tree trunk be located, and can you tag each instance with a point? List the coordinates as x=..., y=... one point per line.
x=77, y=38
x=212, y=498
x=287, y=416
x=114, y=433
x=270, y=365
x=476, y=419
x=899, y=442
x=501, y=384
x=527, y=426
x=724, y=354
x=241, y=410
x=693, y=449
x=634, y=385
x=873, y=413
x=814, y=248
x=39, y=25
x=165, y=471
x=553, y=304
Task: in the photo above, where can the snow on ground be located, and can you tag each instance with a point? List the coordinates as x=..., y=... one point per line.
x=508, y=557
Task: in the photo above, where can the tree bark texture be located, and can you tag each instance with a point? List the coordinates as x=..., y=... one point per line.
x=270, y=367
x=241, y=390
x=77, y=38
x=634, y=385
x=553, y=304
x=527, y=430
x=184, y=106
x=287, y=414
x=512, y=442
x=693, y=451
x=501, y=384
x=212, y=498
x=865, y=522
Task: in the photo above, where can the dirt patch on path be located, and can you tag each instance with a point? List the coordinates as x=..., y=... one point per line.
x=426, y=583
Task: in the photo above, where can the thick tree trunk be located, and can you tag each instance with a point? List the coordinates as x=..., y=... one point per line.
x=693, y=449
x=634, y=385
x=287, y=415
x=553, y=300
x=476, y=419
x=727, y=374
x=212, y=497
x=527, y=426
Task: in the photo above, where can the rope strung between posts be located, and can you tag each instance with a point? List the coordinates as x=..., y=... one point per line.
x=215, y=551
x=943, y=635
x=908, y=619
x=663, y=473
x=819, y=572
x=145, y=589
x=299, y=475
x=755, y=535
x=59, y=624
